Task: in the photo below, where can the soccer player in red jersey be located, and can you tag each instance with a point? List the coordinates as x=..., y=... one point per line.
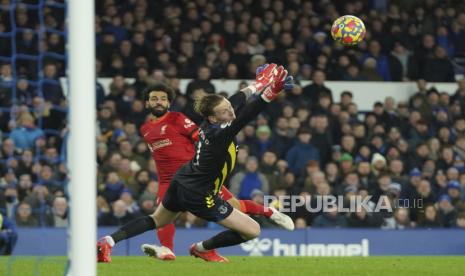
x=170, y=137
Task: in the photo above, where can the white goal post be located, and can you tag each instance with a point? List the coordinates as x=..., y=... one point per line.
x=82, y=145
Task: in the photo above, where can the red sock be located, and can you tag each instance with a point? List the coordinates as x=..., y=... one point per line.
x=166, y=235
x=252, y=208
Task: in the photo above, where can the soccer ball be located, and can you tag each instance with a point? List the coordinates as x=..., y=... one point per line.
x=348, y=30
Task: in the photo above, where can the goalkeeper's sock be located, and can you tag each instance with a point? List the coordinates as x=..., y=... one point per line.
x=252, y=208
x=134, y=228
x=223, y=239
x=166, y=235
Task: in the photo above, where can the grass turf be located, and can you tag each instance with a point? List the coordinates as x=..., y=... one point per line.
x=183, y=266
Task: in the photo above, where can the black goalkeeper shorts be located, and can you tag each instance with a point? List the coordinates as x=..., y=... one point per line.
x=210, y=208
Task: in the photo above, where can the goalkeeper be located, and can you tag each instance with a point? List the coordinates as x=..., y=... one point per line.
x=196, y=186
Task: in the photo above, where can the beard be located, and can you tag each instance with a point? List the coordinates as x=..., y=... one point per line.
x=158, y=111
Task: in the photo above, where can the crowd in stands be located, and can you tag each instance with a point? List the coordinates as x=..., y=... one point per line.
x=307, y=142
x=406, y=39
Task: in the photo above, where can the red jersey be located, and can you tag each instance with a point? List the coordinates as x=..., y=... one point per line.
x=171, y=141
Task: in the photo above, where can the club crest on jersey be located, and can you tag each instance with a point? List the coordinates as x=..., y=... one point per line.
x=163, y=130
x=188, y=124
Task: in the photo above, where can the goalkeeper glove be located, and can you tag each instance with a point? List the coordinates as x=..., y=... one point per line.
x=281, y=82
x=263, y=78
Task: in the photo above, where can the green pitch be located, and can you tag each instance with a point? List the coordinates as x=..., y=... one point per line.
x=248, y=266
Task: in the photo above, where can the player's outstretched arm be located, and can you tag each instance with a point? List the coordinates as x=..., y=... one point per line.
x=280, y=82
x=263, y=78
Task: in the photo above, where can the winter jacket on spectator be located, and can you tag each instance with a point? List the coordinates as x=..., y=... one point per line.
x=25, y=135
x=439, y=68
x=313, y=91
x=417, y=137
x=112, y=191
x=447, y=213
x=24, y=138
x=243, y=183
x=323, y=142
x=262, y=143
x=298, y=156
x=330, y=220
x=281, y=143
x=382, y=65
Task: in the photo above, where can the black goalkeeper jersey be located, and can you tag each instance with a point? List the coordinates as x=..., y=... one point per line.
x=215, y=154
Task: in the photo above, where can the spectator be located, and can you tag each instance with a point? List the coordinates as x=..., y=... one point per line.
x=447, y=212
x=119, y=215
x=453, y=191
x=9, y=201
x=58, y=215
x=8, y=236
x=447, y=158
x=330, y=219
x=244, y=182
x=321, y=137
x=51, y=87
x=24, y=186
x=126, y=173
x=300, y=223
x=378, y=164
x=460, y=221
x=364, y=219
x=6, y=73
x=281, y=138
x=302, y=152
x=201, y=82
x=438, y=68
x=24, y=92
x=112, y=188
x=313, y=91
x=24, y=216
x=378, y=61
x=346, y=164
x=430, y=219
x=131, y=204
x=263, y=141
x=459, y=95
x=268, y=166
x=25, y=135
x=459, y=148
x=49, y=179
x=404, y=57
x=402, y=220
